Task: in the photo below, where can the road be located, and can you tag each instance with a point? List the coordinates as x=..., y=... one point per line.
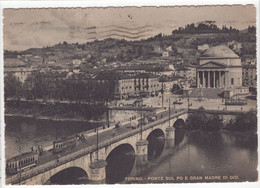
x=212, y=104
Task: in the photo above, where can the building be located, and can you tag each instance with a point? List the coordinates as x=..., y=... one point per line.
x=146, y=84
x=157, y=69
x=143, y=84
x=203, y=47
x=189, y=73
x=165, y=54
x=219, y=67
x=124, y=84
x=249, y=75
x=234, y=45
x=76, y=62
x=18, y=68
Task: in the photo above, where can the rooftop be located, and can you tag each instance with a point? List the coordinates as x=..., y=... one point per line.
x=111, y=75
x=219, y=52
x=13, y=62
x=146, y=75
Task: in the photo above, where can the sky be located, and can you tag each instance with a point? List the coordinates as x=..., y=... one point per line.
x=29, y=28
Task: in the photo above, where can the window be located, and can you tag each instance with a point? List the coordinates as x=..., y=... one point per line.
x=232, y=81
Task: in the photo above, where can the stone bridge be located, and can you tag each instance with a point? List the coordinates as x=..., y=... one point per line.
x=93, y=161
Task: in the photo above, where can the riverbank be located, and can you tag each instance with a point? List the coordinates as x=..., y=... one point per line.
x=54, y=118
x=57, y=111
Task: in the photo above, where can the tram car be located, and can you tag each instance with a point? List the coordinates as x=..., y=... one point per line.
x=64, y=144
x=22, y=162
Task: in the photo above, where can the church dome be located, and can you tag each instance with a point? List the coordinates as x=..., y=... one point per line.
x=220, y=51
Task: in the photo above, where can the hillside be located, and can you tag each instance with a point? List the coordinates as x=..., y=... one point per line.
x=98, y=53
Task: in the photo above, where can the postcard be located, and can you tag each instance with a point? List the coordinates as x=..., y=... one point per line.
x=130, y=95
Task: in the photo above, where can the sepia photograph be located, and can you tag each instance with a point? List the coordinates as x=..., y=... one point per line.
x=130, y=95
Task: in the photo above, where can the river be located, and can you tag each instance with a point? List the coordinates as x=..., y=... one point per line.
x=194, y=156
x=35, y=132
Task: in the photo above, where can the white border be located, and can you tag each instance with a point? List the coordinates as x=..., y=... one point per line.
x=117, y=3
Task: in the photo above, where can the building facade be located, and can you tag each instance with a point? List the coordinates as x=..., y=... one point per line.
x=143, y=84
x=189, y=73
x=249, y=75
x=146, y=84
x=219, y=67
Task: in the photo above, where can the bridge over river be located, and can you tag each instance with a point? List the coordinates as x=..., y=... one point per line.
x=91, y=157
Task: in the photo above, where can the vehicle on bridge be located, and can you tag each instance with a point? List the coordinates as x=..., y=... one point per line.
x=22, y=162
x=134, y=124
x=177, y=102
x=64, y=144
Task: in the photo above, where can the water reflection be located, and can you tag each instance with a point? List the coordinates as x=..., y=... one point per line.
x=155, y=148
x=207, y=153
x=179, y=135
x=155, y=144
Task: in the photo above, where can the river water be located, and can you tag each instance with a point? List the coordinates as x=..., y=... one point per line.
x=34, y=132
x=192, y=157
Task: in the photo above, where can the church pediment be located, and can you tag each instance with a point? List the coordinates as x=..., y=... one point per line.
x=212, y=65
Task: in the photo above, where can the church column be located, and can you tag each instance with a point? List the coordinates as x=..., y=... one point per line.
x=203, y=79
x=198, y=79
x=219, y=79
x=214, y=79
x=208, y=79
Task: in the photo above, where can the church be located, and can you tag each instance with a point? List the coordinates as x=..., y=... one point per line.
x=219, y=67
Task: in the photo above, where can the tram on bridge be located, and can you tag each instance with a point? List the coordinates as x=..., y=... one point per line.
x=22, y=162
x=64, y=144
x=31, y=159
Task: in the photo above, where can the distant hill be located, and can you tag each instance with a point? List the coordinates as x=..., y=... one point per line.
x=204, y=27
x=183, y=42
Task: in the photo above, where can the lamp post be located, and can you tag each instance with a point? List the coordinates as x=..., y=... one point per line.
x=169, y=112
x=141, y=122
x=18, y=140
x=162, y=94
x=97, y=142
x=188, y=101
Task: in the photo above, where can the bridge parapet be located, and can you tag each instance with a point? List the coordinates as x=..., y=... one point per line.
x=221, y=112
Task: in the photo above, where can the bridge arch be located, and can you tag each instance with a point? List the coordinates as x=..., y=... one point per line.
x=120, y=162
x=70, y=175
x=179, y=123
x=155, y=133
x=156, y=142
x=124, y=147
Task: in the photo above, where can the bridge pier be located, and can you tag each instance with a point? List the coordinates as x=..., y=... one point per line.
x=170, y=133
x=97, y=171
x=142, y=147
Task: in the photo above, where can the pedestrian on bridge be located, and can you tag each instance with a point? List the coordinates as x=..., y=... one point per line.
x=113, y=132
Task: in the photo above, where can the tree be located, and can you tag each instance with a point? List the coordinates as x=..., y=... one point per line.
x=245, y=122
x=197, y=119
x=12, y=86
